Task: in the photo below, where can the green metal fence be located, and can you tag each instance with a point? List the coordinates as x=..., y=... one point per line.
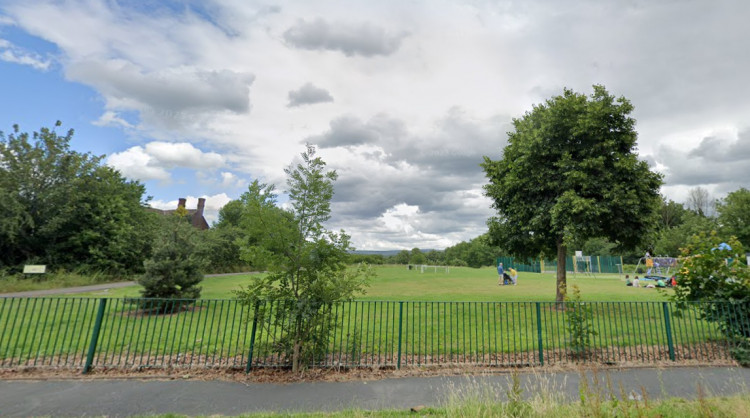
x=82, y=333
x=589, y=264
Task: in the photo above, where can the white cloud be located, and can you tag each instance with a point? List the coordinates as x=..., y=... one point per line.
x=183, y=155
x=135, y=163
x=152, y=161
x=232, y=181
x=110, y=118
x=413, y=114
x=16, y=55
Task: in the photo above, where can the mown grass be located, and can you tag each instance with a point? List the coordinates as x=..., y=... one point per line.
x=501, y=324
x=459, y=284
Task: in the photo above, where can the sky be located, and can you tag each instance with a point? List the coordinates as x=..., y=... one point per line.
x=402, y=98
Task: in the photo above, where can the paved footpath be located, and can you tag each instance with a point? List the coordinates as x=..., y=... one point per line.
x=86, y=289
x=117, y=398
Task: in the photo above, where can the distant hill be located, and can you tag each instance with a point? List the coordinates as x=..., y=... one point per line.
x=386, y=253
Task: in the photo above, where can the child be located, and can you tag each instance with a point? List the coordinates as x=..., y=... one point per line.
x=628, y=282
x=513, y=275
x=635, y=282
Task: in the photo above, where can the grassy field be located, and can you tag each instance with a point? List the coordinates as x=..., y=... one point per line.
x=396, y=283
x=446, y=316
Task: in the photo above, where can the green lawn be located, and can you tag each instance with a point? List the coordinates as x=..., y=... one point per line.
x=396, y=283
x=461, y=315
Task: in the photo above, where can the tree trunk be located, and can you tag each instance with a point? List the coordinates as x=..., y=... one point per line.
x=296, y=357
x=562, y=286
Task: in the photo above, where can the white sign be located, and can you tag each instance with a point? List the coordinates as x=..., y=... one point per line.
x=34, y=269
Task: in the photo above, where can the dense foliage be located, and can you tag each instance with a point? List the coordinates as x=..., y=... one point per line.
x=220, y=245
x=714, y=271
x=570, y=172
x=734, y=215
x=67, y=210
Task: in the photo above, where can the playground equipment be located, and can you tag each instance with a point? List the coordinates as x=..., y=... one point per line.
x=582, y=264
x=656, y=265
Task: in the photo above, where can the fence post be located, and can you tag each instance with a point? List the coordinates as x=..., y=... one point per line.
x=539, y=332
x=400, y=315
x=95, y=335
x=252, y=339
x=668, y=326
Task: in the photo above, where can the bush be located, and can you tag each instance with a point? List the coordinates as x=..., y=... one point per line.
x=714, y=273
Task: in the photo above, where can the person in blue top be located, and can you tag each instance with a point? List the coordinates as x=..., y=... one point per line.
x=500, y=272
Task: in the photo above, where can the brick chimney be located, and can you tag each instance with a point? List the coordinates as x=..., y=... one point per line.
x=181, y=203
x=201, y=205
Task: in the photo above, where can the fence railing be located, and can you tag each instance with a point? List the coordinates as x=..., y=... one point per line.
x=589, y=264
x=82, y=333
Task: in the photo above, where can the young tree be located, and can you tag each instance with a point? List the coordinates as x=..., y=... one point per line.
x=307, y=264
x=570, y=172
x=175, y=269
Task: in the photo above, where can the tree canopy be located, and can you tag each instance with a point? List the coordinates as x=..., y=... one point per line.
x=66, y=209
x=570, y=171
x=734, y=215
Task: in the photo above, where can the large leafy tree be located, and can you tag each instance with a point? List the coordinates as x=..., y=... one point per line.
x=734, y=215
x=307, y=264
x=64, y=208
x=569, y=172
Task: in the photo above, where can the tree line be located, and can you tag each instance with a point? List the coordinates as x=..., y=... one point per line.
x=69, y=211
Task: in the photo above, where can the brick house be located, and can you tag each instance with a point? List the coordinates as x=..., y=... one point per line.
x=195, y=216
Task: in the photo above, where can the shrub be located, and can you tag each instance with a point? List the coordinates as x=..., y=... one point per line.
x=714, y=273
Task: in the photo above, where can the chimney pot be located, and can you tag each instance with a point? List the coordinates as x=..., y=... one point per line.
x=201, y=205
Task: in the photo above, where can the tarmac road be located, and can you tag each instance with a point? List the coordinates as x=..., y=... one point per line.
x=115, y=398
x=86, y=289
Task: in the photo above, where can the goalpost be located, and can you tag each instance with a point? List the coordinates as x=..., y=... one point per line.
x=423, y=267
